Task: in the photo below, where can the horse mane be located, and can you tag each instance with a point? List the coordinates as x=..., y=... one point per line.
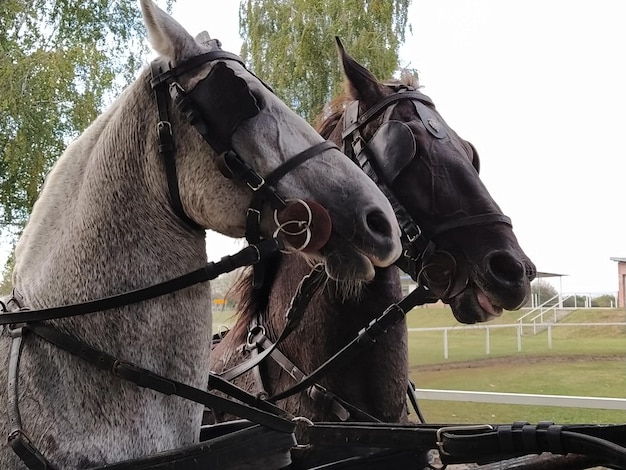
x=253, y=301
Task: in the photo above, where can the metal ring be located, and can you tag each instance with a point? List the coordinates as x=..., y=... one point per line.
x=450, y=284
x=308, y=210
x=304, y=226
x=288, y=250
x=260, y=329
x=308, y=423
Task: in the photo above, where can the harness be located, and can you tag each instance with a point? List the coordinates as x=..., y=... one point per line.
x=20, y=321
x=383, y=158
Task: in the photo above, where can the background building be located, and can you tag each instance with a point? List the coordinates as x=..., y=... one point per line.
x=621, y=281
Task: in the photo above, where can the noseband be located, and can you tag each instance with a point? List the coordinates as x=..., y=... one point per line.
x=418, y=244
x=217, y=132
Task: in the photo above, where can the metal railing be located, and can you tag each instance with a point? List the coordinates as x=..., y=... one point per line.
x=518, y=332
x=543, y=309
x=522, y=399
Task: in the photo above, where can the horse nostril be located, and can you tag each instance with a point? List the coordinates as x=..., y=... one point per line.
x=505, y=267
x=530, y=270
x=378, y=223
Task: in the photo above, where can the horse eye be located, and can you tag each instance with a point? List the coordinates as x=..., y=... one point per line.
x=475, y=157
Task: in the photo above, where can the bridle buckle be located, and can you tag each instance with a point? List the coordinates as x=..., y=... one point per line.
x=255, y=186
x=472, y=427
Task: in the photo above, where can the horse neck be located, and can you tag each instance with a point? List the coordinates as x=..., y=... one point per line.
x=102, y=224
x=377, y=380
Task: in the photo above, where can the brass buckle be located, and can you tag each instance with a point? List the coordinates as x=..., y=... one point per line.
x=471, y=427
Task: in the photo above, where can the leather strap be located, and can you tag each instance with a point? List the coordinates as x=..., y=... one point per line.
x=381, y=105
x=481, y=443
x=258, y=411
x=167, y=148
x=308, y=286
x=174, y=72
x=250, y=255
x=17, y=438
x=366, y=338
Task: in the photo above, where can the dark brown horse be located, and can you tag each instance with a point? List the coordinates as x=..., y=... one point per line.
x=467, y=255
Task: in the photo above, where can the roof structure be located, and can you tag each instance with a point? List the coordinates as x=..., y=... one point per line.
x=619, y=260
x=539, y=274
x=542, y=274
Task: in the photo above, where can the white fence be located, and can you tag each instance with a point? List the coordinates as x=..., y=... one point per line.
x=522, y=399
x=518, y=328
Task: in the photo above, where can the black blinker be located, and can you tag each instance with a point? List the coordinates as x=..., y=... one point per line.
x=475, y=157
x=393, y=147
x=229, y=99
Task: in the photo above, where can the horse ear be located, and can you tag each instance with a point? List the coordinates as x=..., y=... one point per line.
x=166, y=35
x=203, y=37
x=361, y=84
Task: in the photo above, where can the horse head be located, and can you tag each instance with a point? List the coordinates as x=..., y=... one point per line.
x=457, y=241
x=272, y=157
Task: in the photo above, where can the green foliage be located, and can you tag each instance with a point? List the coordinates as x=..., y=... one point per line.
x=5, y=281
x=604, y=301
x=545, y=291
x=291, y=44
x=59, y=62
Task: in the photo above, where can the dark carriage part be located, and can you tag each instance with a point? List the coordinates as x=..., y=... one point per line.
x=237, y=445
x=379, y=460
x=544, y=461
x=603, y=445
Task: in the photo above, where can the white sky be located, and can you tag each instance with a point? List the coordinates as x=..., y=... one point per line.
x=539, y=88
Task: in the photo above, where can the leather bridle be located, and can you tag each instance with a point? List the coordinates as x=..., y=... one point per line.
x=418, y=243
x=165, y=84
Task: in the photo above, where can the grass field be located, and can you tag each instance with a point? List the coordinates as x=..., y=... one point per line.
x=583, y=361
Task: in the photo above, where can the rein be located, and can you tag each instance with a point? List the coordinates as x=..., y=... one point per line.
x=250, y=255
x=24, y=321
x=483, y=443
